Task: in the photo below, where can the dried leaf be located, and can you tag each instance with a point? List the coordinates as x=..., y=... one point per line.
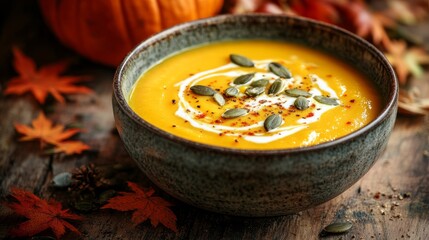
x=43, y=129
x=146, y=206
x=358, y=18
x=410, y=104
x=322, y=10
x=42, y=215
x=43, y=81
x=71, y=147
x=406, y=61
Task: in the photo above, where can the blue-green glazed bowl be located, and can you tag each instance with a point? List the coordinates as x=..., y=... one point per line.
x=254, y=182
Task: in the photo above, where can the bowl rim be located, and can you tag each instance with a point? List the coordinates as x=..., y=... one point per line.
x=389, y=106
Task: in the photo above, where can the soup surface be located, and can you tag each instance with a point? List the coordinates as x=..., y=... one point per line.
x=255, y=94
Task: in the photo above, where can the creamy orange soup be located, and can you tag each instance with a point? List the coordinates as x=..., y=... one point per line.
x=255, y=94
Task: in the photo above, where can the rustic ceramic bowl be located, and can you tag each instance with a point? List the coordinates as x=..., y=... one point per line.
x=254, y=182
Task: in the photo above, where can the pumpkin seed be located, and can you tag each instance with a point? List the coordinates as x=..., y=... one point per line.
x=243, y=79
x=338, y=227
x=202, y=90
x=277, y=87
x=279, y=70
x=272, y=122
x=235, y=112
x=326, y=100
x=260, y=83
x=254, y=91
x=61, y=180
x=297, y=93
x=241, y=60
x=301, y=103
x=231, y=92
x=219, y=99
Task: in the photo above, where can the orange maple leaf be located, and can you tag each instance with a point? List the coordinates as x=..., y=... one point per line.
x=41, y=215
x=43, y=81
x=71, y=147
x=146, y=206
x=43, y=129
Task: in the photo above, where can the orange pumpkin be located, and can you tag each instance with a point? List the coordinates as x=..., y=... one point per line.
x=105, y=30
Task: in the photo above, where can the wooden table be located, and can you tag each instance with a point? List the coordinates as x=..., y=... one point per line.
x=390, y=202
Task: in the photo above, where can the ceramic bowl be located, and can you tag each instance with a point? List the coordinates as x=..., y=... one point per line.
x=254, y=182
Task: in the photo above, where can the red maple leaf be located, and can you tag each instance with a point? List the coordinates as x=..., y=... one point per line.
x=322, y=10
x=358, y=18
x=43, y=81
x=145, y=205
x=42, y=215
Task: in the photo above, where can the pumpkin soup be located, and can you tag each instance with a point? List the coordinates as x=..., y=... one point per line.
x=255, y=94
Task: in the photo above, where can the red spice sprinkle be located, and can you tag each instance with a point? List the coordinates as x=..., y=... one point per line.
x=352, y=101
x=221, y=134
x=377, y=195
x=262, y=101
x=310, y=115
x=173, y=101
x=218, y=121
x=329, y=75
x=202, y=115
x=348, y=123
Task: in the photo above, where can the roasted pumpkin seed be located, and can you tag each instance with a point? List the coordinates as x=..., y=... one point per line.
x=301, y=103
x=260, y=83
x=326, y=100
x=297, y=93
x=241, y=60
x=243, y=79
x=277, y=87
x=219, y=99
x=254, y=91
x=231, y=92
x=202, y=90
x=338, y=227
x=272, y=122
x=279, y=70
x=235, y=112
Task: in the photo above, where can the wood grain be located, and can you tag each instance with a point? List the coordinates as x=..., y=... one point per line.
x=375, y=204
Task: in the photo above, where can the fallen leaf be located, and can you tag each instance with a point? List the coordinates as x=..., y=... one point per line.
x=146, y=206
x=409, y=103
x=42, y=215
x=322, y=10
x=405, y=60
x=43, y=129
x=43, y=81
x=71, y=147
x=358, y=18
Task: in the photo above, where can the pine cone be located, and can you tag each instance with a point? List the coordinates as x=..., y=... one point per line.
x=87, y=178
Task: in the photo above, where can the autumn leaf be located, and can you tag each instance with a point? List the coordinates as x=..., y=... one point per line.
x=43, y=81
x=43, y=129
x=42, y=215
x=358, y=18
x=146, y=206
x=406, y=61
x=322, y=10
x=71, y=147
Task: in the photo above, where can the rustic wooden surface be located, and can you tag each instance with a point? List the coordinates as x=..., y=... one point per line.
x=403, y=168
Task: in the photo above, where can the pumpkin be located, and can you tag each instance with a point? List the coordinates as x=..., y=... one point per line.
x=105, y=30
